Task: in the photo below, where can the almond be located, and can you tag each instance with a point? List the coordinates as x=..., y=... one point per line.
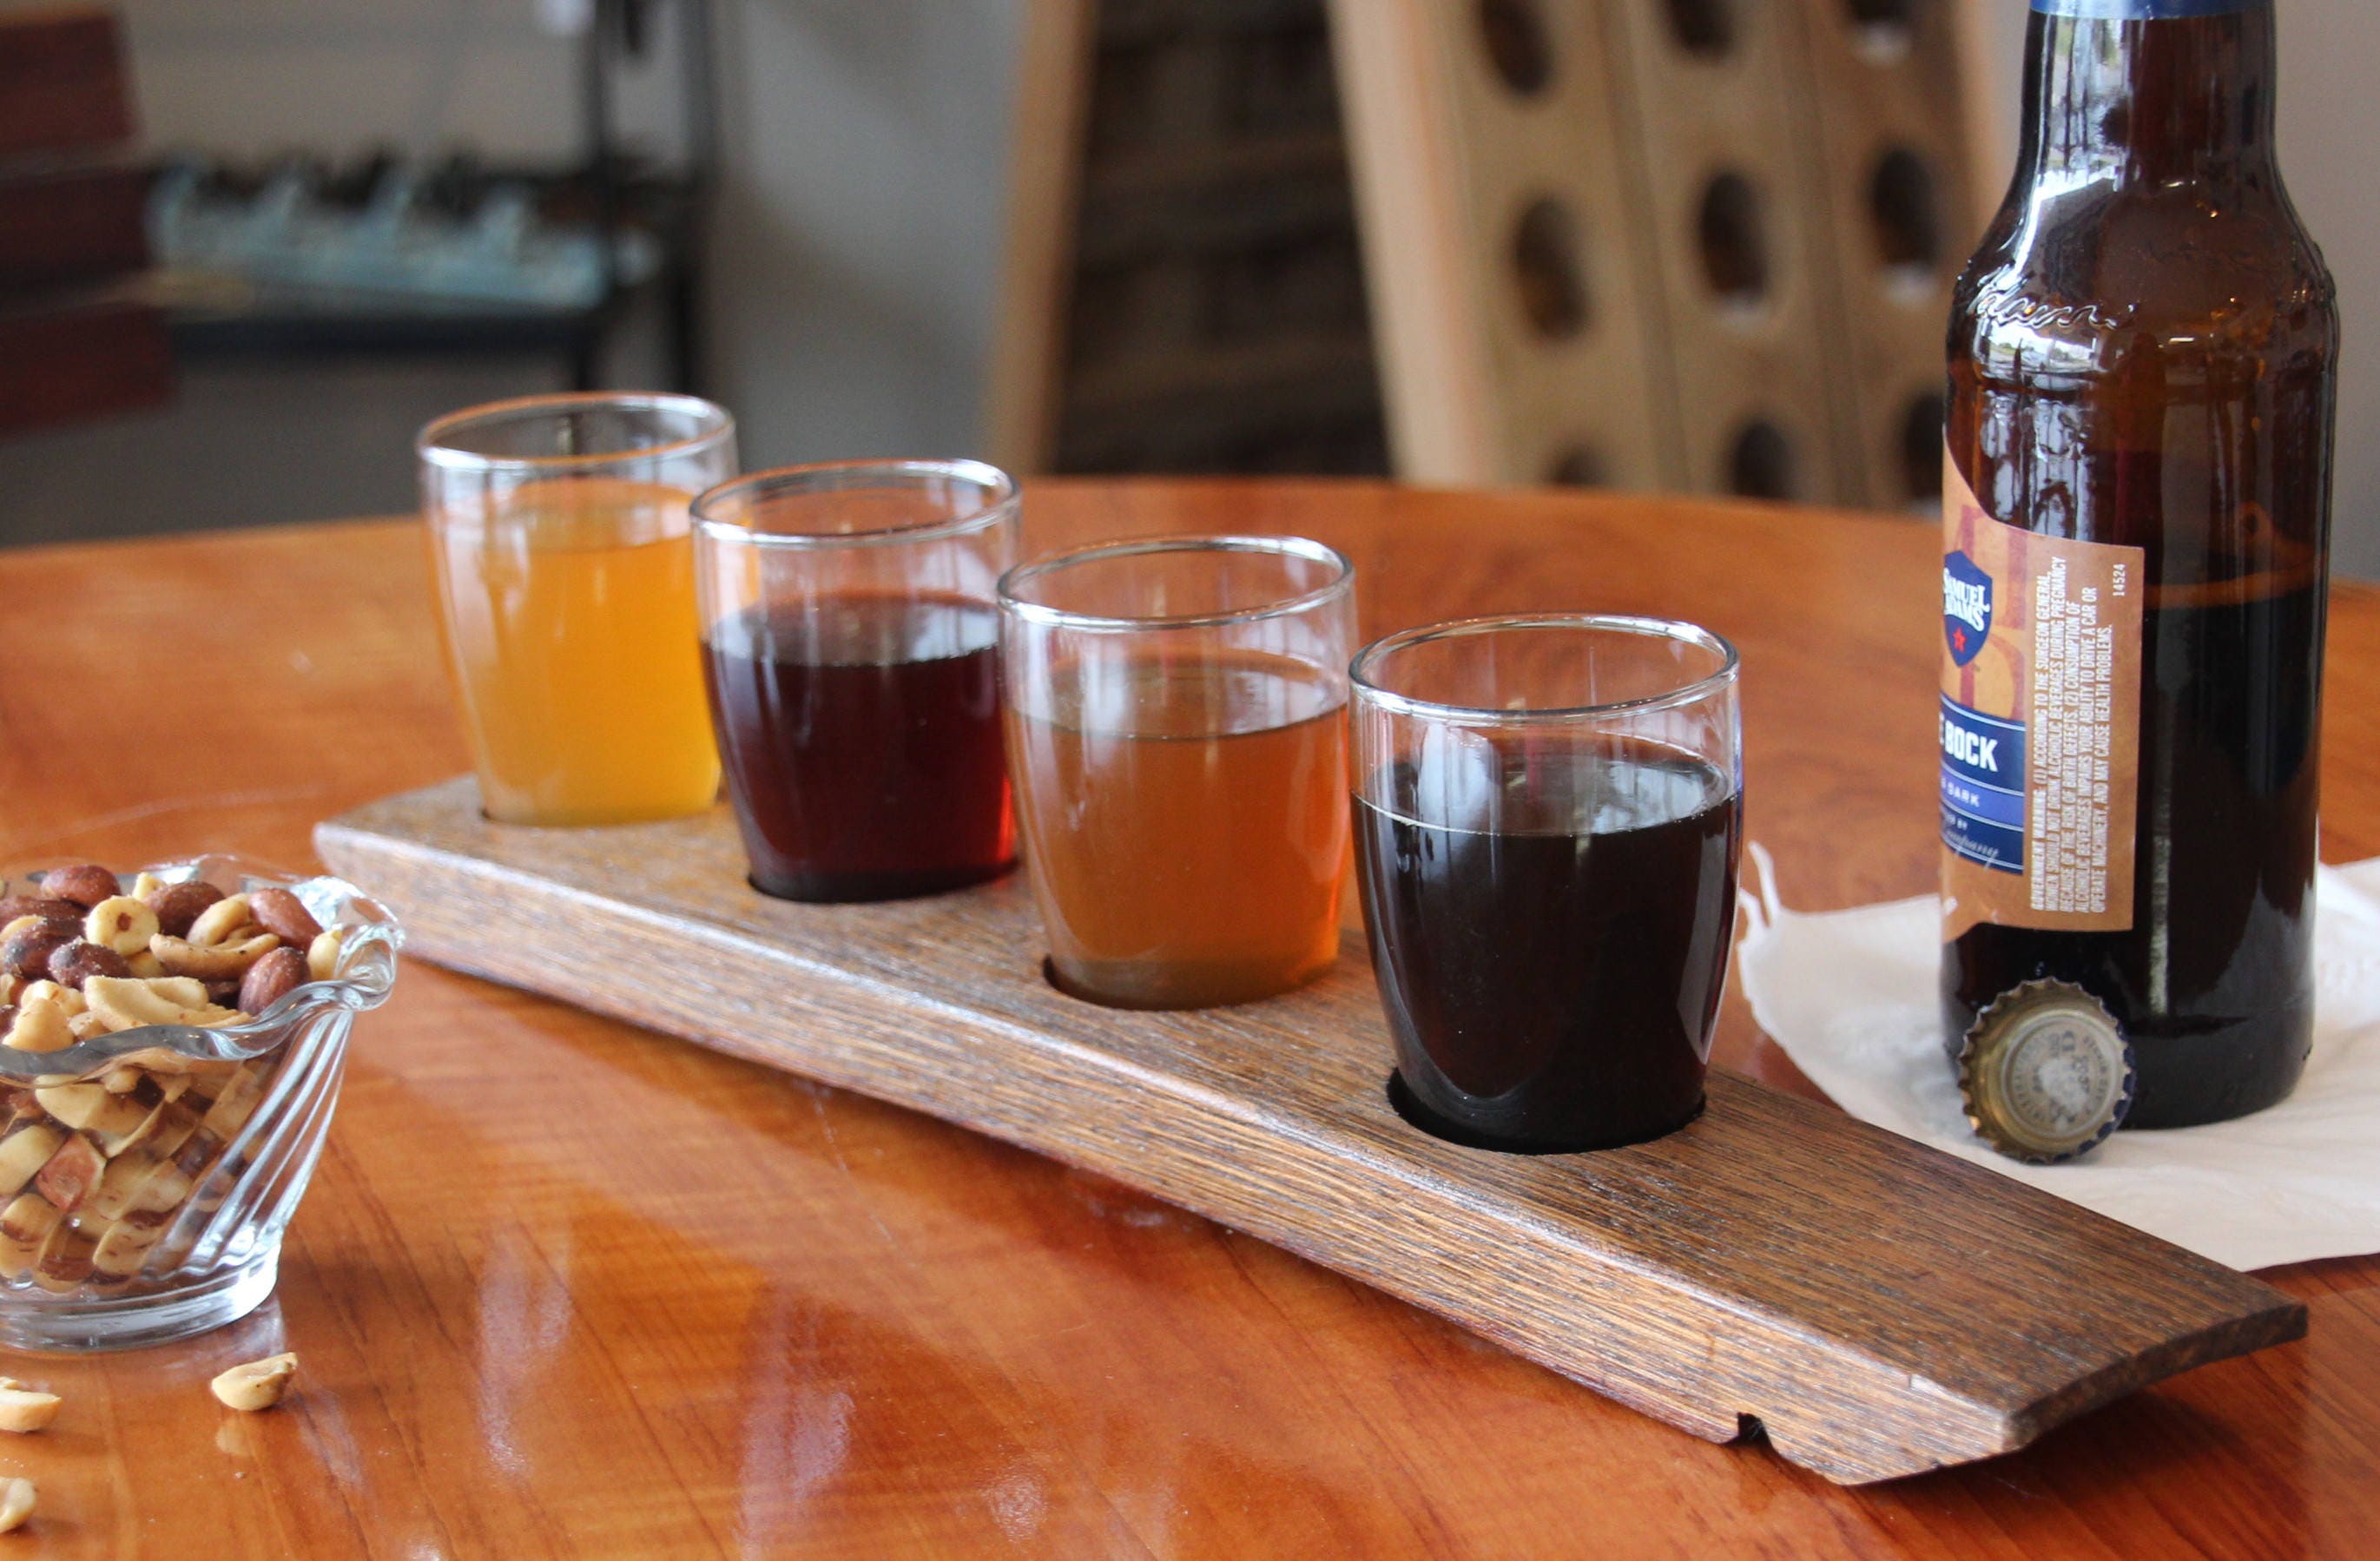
x=73, y=963
x=71, y=1173
x=26, y=950
x=178, y=904
x=282, y=913
x=49, y=910
x=273, y=978
x=83, y=883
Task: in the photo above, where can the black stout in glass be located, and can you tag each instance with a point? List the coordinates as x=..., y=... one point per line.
x=1550, y=984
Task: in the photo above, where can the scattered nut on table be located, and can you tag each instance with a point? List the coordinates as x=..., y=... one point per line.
x=24, y=1409
x=17, y=1499
x=256, y=1385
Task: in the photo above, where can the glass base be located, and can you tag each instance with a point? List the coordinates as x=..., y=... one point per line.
x=64, y=1323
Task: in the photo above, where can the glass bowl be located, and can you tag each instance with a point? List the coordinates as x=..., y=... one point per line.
x=178, y=1153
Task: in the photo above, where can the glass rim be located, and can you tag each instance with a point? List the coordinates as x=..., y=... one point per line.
x=1368, y=690
x=717, y=423
x=1342, y=580
x=736, y=533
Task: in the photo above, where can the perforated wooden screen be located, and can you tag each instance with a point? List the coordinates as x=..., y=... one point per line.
x=1700, y=245
x=1691, y=243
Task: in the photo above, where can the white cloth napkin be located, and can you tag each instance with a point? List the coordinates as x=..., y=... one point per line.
x=1850, y=995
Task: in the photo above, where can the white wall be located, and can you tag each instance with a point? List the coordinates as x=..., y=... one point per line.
x=2330, y=123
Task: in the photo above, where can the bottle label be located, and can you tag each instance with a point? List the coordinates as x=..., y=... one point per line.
x=2040, y=717
x=2144, y=11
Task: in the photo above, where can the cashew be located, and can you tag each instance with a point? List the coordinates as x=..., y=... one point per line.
x=222, y=921
x=129, y=1004
x=256, y=1385
x=122, y=923
x=9, y=982
x=166, y=1059
x=322, y=956
x=24, y=1409
x=17, y=1499
x=212, y=961
x=146, y=884
x=147, y=965
x=21, y=923
x=93, y=1109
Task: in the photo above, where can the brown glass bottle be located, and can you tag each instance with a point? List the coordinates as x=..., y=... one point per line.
x=2142, y=354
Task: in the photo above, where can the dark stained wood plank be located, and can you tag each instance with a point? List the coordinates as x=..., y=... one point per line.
x=1879, y=1308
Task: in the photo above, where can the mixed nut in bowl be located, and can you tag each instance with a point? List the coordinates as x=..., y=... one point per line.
x=171, y=1046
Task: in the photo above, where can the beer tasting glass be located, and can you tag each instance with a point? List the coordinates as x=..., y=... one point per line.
x=851, y=649
x=1177, y=730
x=1547, y=811
x=559, y=546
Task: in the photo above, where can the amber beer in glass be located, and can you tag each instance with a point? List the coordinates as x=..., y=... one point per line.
x=1177, y=733
x=2135, y=559
x=562, y=554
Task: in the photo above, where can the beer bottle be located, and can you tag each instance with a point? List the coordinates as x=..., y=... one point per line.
x=2136, y=557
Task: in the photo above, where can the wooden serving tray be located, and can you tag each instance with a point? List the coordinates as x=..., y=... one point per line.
x=1878, y=1307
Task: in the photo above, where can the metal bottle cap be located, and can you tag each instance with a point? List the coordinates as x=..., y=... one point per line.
x=2046, y=1072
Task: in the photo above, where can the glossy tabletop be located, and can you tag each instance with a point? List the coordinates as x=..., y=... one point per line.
x=564, y=1287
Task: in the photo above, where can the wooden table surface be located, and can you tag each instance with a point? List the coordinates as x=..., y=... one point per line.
x=562, y=1287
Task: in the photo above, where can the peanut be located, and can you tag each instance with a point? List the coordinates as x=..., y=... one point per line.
x=321, y=957
x=122, y=923
x=24, y=1409
x=259, y=1385
x=16, y=1498
x=42, y=1024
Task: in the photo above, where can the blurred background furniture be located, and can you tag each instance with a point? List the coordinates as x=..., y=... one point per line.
x=1647, y=243
x=1185, y=282
x=889, y=237
x=393, y=253
x=73, y=346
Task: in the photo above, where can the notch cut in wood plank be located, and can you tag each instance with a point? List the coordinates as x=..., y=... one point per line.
x=1879, y=1308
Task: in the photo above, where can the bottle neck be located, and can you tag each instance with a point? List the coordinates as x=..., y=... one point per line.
x=2153, y=97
